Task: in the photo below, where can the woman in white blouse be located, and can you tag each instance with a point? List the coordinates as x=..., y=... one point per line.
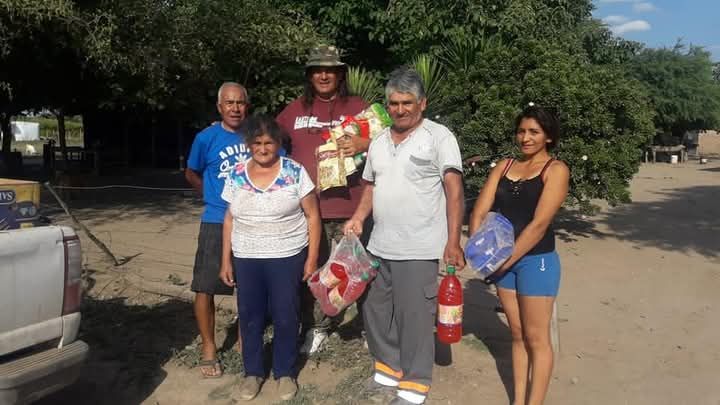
x=271, y=237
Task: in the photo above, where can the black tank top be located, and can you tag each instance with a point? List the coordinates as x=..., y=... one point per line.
x=516, y=200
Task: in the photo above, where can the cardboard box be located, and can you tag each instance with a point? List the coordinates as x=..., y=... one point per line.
x=19, y=201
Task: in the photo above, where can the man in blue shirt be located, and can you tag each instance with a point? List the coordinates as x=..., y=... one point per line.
x=214, y=152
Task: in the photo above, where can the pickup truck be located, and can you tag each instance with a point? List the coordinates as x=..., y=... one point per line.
x=40, y=296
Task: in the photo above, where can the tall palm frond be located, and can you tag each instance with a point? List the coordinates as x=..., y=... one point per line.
x=433, y=75
x=364, y=84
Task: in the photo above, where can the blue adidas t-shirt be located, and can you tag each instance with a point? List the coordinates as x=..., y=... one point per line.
x=214, y=152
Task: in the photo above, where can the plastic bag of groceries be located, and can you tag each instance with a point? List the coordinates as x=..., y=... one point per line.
x=343, y=279
x=491, y=245
x=333, y=167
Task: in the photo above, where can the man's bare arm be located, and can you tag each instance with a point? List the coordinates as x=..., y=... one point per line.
x=194, y=179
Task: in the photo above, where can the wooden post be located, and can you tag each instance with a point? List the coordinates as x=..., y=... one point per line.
x=62, y=137
x=80, y=225
x=6, y=129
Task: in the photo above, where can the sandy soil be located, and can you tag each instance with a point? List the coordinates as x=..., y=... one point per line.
x=638, y=306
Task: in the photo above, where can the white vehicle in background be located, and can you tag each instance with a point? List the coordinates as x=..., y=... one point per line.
x=40, y=295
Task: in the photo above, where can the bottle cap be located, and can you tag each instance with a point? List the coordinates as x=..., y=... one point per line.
x=450, y=270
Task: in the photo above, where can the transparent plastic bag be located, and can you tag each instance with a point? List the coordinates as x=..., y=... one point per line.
x=343, y=279
x=491, y=245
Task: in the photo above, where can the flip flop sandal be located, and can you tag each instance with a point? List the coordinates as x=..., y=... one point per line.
x=207, y=365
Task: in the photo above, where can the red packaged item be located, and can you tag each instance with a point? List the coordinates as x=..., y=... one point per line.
x=344, y=278
x=450, y=308
x=333, y=275
x=336, y=299
x=344, y=294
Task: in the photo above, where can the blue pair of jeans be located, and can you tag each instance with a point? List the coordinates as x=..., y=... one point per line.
x=269, y=286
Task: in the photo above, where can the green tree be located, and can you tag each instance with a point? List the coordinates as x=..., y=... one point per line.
x=681, y=87
x=499, y=55
x=42, y=49
x=147, y=58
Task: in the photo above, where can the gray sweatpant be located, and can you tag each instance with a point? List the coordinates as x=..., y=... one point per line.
x=399, y=315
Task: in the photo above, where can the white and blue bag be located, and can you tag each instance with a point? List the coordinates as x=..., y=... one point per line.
x=491, y=245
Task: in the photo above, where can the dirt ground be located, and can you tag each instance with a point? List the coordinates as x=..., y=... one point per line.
x=638, y=307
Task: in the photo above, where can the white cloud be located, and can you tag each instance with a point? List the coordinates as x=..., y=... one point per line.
x=644, y=7
x=615, y=19
x=631, y=26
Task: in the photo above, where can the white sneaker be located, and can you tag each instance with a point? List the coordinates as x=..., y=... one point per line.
x=314, y=340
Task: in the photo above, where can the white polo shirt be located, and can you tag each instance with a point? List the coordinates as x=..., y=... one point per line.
x=409, y=205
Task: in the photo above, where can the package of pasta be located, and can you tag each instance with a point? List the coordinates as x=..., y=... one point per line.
x=366, y=124
x=331, y=167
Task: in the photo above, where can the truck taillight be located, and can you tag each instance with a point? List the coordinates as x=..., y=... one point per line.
x=73, y=275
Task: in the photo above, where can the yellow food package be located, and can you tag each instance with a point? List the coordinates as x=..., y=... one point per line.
x=19, y=200
x=331, y=167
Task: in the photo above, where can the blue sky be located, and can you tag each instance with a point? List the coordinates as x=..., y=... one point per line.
x=660, y=23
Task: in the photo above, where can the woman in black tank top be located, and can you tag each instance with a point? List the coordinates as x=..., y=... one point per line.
x=528, y=191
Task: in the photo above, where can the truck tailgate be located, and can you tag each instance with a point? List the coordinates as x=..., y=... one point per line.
x=32, y=263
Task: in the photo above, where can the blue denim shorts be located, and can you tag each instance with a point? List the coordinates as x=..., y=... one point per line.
x=534, y=275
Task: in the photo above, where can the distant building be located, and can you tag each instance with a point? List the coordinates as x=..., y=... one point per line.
x=25, y=131
x=709, y=143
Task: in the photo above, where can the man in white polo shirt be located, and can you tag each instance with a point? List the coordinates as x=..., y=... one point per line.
x=415, y=193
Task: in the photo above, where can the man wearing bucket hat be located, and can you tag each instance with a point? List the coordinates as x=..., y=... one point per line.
x=325, y=103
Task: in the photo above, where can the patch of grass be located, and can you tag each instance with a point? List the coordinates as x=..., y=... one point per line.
x=191, y=355
x=349, y=390
x=341, y=353
x=347, y=354
x=232, y=361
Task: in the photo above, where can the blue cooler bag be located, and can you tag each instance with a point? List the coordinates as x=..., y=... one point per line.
x=491, y=245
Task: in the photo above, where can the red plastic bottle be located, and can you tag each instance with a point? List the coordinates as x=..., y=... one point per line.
x=450, y=308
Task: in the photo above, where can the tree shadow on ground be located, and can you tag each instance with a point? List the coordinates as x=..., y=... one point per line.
x=711, y=169
x=570, y=225
x=129, y=344
x=159, y=192
x=686, y=219
x=483, y=323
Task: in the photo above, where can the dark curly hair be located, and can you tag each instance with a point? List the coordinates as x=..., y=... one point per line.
x=547, y=121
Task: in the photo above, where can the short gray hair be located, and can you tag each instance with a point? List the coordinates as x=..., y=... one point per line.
x=227, y=85
x=405, y=80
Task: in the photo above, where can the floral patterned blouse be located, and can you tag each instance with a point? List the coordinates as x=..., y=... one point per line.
x=269, y=222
